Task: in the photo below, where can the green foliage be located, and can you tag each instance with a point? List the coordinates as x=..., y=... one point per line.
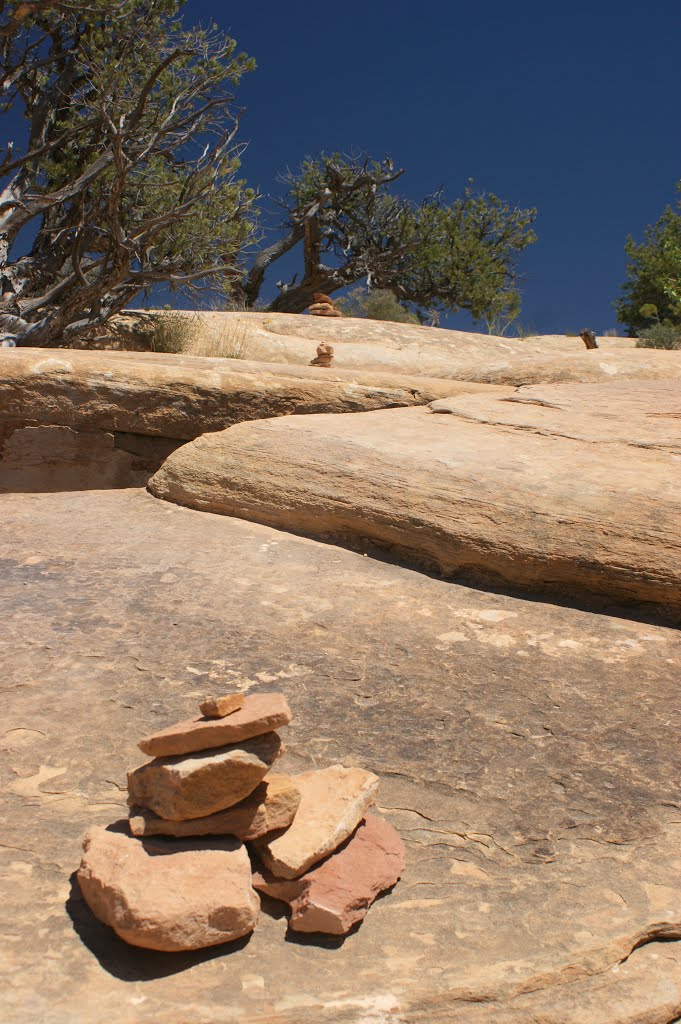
x=134, y=178
x=434, y=255
x=660, y=336
x=652, y=290
x=377, y=304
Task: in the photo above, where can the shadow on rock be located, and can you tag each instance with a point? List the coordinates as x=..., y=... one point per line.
x=132, y=963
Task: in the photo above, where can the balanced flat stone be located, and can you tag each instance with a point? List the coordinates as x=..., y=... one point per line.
x=168, y=897
x=199, y=784
x=220, y=707
x=567, y=490
x=333, y=801
x=259, y=714
x=525, y=751
x=336, y=894
x=271, y=805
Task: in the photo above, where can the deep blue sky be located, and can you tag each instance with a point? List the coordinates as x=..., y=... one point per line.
x=572, y=108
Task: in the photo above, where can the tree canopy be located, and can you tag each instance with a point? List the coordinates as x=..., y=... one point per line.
x=127, y=175
x=350, y=224
x=652, y=290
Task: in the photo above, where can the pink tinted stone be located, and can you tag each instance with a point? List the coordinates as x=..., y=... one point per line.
x=336, y=894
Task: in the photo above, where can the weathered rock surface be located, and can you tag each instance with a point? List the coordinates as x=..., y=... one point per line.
x=261, y=713
x=271, y=805
x=332, y=803
x=168, y=897
x=525, y=751
x=583, y=367
x=219, y=707
x=336, y=894
x=181, y=397
x=371, y=344
x=530, y=490
x=76, y=419
x=196, y=785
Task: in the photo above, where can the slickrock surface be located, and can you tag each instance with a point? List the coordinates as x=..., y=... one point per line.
x=219, y=707
x=261, y=713
x=371, y=344
x=180, y=397
x=601, y=366
x=76, y=419
x=336, y=894
x=168, y=898
x=553, y=489
x=270, y=806
x=199, y=784
x=333, y=801
x=526, y=752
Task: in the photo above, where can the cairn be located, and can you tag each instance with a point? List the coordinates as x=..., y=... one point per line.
x=323, y=305
x=178, y=875
x=324, y=355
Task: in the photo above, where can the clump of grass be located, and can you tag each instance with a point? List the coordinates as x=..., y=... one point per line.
x=170, y=331
x=222, y=337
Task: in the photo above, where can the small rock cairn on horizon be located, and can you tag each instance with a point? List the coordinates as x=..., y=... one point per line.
x=179, y=877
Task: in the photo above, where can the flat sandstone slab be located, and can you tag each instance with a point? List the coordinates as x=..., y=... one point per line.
x=333, y=801
x=193, y=786
x=168, y=898
x=336, y=894
x=271, y=805
x=261, y=713
x=524, y=752
x=568, y=490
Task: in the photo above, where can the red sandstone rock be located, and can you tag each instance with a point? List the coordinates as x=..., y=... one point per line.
x=203, y=783
x=271, y=805
x=337, y=893
x=220, y=707
x=261, y=713
x=169, y=897
x=333, y=802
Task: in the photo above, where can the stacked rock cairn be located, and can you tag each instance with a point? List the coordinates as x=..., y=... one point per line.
x=207, y=792
x=323, y=306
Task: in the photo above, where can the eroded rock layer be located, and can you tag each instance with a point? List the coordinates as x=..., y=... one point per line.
x=568, y=490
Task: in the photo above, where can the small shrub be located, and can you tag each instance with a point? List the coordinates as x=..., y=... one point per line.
x=169, y=332
x=378, y=304
x=665, y=336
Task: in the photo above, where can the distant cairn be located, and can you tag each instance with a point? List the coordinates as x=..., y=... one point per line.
x=323, y=306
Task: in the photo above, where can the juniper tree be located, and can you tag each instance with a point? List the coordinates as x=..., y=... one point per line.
x=126, y=174
x=349, y=224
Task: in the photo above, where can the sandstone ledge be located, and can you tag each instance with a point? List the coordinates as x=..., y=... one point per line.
x=568, y=490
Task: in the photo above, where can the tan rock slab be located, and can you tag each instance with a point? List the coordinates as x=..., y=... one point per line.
x=524, y=749
x=220, y=707
x=168, y=897
x=259, y=714
x=333, y=802
x=271, y=805
x=337, y=893
x=180, y=788
x=568, y=490
x=142, y=394
x=602, y=366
